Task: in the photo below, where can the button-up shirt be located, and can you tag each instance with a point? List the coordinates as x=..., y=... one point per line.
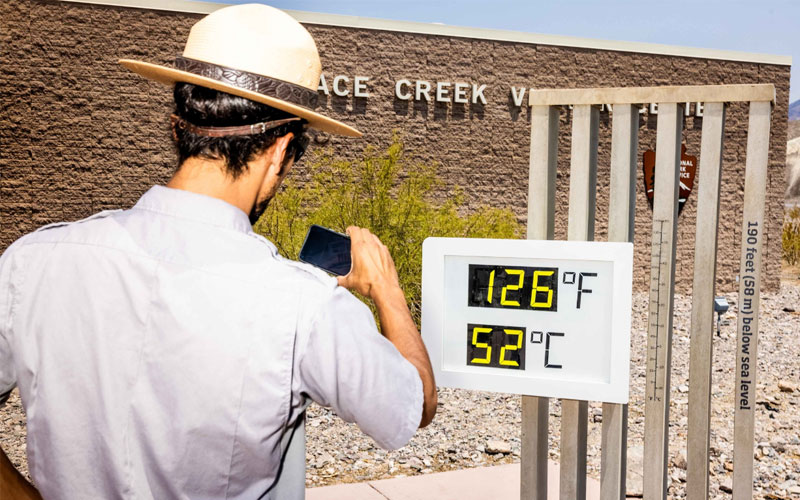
x=164, y=351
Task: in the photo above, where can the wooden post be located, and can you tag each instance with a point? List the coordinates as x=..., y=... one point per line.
x=572, y=473
x=542, y=173
x=753, y=234
x=541, y=207
x=624, y=146
x=702, y=327
x=662, y=280
x=583, y=173
x=582, y=194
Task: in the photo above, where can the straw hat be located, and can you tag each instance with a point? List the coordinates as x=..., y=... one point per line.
x=253, y=51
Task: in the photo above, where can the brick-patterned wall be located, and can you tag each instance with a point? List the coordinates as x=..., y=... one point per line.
x=80, y=133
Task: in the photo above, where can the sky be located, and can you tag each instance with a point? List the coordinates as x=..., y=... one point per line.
x=759, y=26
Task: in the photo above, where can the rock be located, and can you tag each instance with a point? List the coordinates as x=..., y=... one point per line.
x=496, y=446
x=786, y=386
x=415, y=463
x=679, y=460
x=726, y=485
x=683, y=388
x=778, y=444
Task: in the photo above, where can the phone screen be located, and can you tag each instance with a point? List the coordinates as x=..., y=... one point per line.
x=327, y=250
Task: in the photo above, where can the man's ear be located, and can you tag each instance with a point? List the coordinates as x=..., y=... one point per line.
x=277, y=153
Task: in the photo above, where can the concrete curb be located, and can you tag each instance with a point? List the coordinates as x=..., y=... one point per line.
x=497, y=482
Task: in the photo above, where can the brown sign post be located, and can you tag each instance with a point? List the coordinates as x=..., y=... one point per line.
x=686, y=183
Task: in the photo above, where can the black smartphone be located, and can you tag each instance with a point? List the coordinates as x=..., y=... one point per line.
x=327, y=250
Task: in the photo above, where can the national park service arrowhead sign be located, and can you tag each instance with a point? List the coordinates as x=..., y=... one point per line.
x=686, y=182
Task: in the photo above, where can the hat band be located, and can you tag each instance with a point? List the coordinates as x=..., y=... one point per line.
x=277, y=89
x=252, y=129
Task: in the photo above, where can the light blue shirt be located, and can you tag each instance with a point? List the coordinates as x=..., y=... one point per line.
x=163, y=352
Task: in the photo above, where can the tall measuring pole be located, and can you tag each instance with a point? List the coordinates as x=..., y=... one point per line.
x=662, y=282
x=753, y=233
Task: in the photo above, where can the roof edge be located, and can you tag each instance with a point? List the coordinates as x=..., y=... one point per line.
x=345, y=21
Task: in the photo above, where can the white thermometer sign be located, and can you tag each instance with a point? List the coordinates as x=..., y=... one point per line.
x=541, y=318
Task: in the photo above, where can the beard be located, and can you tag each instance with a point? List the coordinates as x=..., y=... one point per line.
x=261, y=206
x=258, y=209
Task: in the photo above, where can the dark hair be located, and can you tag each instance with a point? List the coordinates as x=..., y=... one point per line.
x=206, y=107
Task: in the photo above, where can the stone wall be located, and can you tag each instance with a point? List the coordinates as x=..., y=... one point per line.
x=80, y=133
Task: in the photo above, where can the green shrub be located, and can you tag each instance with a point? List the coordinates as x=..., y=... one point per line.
x=388, y=193
x=791, y=237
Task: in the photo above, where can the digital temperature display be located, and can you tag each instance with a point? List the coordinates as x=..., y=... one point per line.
x=513, y=287
x=542, y=318
x=497, y=346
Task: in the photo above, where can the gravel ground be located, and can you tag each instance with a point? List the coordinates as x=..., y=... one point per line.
x=475, y=429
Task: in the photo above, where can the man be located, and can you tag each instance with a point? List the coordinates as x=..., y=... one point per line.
x=166, y=351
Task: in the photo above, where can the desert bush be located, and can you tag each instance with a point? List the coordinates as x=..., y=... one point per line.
x=790, y=238
x=400, y=200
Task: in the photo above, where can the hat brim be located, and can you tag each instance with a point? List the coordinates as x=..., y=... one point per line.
x=168, y=76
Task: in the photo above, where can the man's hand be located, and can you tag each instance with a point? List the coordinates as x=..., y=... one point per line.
x=373, y=275
x=373, y=270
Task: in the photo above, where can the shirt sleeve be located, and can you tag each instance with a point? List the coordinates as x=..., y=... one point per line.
x=348, y=365
x=8, y=376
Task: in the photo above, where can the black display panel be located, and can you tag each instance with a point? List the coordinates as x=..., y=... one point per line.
x=513, y=287
x=496, y=346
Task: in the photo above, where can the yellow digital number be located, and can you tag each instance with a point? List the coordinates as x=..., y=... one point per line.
x=511, y=347
x=491, y=287
x=536, y=289
x=481, y=345
x=512, y=272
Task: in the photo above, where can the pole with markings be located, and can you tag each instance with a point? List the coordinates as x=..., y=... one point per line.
x=662, y=281
x=753, y=233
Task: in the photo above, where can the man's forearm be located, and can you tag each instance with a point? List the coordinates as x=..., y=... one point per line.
x=12, y=484
x=398, y=327
x=373, y=274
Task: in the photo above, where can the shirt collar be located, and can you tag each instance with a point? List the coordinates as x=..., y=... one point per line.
x=194, y=206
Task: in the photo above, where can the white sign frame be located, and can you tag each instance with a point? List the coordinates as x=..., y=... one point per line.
x=620, y=255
